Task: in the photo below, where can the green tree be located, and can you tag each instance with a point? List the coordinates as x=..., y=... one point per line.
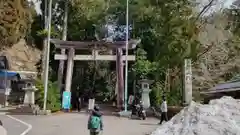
x=167, y=29
x=15, y=20
x=168, y=33
x=53, y=96
x=143, y=67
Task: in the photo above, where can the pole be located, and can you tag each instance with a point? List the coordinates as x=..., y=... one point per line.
x=5, y=87
x=126, y=60
x=45, y=39
x=47, y=55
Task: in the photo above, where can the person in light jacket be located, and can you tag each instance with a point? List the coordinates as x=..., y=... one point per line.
x=164, y=110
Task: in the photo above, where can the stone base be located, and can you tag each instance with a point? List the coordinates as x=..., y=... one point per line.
x=44, y=112
x=149, y=113
x=30, y=110
x=125, y=114
x=6, y=103
x=23, y=109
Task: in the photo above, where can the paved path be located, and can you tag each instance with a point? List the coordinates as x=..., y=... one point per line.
x=76, y=124
x=12, y=126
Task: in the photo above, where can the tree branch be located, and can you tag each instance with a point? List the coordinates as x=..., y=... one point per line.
x=205, y=9
x=206, y=50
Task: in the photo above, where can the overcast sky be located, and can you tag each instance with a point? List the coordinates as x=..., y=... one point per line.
x=37, y=5
x=228, y=2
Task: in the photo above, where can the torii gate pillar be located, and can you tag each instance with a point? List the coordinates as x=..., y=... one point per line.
x=69, y=71
x=120, y=83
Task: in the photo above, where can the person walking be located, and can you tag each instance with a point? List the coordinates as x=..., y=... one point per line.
x=79, y=103
x=114, y=100
x=95, y=123
x=164, y=110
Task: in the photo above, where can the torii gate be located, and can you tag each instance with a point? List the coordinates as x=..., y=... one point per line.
x=95, y=46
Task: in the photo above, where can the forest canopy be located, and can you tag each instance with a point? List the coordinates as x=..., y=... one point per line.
x=170, y=31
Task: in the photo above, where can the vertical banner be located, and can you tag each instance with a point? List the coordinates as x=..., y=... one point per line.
x=187, y=81
x=66, y=102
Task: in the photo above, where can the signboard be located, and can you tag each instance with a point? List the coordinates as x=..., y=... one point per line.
x=66, y=101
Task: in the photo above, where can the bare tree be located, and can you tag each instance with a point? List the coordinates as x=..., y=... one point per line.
x=220, y=60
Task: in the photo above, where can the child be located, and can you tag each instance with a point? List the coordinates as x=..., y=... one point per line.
x=95, y=124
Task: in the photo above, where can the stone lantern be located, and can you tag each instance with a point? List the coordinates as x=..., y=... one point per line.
x=145, y=88
x=30, y=89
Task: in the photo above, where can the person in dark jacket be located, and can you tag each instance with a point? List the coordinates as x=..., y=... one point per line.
x=95, y=124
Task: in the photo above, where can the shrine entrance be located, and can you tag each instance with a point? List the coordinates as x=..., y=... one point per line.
x=95, y=47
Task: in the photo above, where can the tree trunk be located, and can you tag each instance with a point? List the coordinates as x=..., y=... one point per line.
x=64, y=37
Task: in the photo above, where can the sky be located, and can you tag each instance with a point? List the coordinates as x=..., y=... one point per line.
x=228, y=3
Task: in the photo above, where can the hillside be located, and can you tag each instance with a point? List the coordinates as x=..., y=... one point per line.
x=220, y=60
x=22, y=57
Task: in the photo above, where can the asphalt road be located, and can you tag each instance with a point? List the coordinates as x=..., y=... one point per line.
x=12, y=126
x=76, y=124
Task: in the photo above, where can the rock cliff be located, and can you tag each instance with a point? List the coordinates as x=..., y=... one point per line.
x=22, y=57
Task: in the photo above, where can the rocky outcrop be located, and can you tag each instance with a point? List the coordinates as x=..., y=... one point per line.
x=22, y=57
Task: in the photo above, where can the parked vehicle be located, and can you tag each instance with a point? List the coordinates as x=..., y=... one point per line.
x=138, y=110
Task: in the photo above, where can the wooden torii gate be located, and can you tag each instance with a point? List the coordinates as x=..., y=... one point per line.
x=95, y=46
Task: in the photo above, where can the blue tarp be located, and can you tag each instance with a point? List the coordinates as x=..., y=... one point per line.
x=8, y=74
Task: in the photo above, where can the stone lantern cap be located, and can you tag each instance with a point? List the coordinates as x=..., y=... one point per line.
x=28, y=84
x=145, y=81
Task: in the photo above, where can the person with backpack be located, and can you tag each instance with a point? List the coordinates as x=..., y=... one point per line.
x=95, y=124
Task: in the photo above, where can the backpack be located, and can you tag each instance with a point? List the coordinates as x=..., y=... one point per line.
x=95, y=122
